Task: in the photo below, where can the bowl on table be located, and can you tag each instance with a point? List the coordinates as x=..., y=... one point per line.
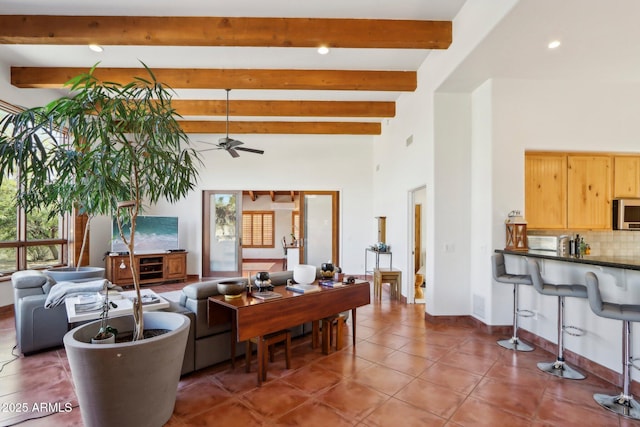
x=232, y=288
x=304, y=274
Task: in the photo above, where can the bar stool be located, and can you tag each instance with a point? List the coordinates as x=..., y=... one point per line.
x=500, y=275
x=268, y=342
x=623, y=404
x=558, y=368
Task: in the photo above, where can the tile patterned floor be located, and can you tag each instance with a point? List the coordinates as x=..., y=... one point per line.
x=403, y=371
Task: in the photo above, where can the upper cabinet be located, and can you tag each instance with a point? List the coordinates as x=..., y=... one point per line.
x=546, y=190
x=589, y=183
x=568, y=190
x=626, y=176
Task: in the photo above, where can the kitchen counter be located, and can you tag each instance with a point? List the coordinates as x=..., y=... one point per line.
x=619, y=282
x=627, y=263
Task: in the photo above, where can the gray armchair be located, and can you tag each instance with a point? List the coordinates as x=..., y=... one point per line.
x=37, y=328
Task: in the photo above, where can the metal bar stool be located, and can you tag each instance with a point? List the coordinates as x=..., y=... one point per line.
x=500, y=275
x=623, y=404
x=558, y=368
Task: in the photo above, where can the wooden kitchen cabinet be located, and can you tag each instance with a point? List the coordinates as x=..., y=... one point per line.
x=546, y=190
x=626, y=176
x=152, y=268
x=589, y=189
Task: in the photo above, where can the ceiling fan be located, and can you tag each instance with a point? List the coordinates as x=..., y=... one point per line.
x=231, y=145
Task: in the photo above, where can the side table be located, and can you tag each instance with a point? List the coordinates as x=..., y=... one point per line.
x=390, y=276
x=377, y=262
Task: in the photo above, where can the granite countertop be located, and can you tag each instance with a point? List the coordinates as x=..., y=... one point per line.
x=625, y=262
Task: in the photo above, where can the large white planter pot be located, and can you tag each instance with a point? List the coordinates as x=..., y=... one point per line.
x=73, y=274
x=132, y=383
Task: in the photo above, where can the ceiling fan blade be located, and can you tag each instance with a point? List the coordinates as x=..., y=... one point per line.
x=233, y=152
x=234, y=142
x=250, y=150
x=210, y=149
x=208, y=143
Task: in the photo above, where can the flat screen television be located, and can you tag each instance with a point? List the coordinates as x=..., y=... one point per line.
x=153, y=234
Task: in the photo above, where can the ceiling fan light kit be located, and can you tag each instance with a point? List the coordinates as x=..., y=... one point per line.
x=232, y=146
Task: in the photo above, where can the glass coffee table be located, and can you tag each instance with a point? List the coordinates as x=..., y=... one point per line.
x=88, y=307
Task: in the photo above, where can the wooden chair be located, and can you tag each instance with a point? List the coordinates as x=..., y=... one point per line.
x=268, y=343
x=331, y=326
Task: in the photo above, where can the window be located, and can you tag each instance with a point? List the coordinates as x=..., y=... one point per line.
x=27, y=241
x=257, y=229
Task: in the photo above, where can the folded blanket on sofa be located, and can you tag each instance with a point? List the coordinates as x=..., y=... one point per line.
x=62, y=290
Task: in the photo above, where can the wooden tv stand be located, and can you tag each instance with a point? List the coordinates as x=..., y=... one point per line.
x=152, y=268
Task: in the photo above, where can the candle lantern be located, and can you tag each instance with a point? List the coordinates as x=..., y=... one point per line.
x=516, y=232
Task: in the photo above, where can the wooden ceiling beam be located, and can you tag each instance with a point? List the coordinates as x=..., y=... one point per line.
x=199, y=78
x=224, y=31
x=195, y=107
x=318, y=128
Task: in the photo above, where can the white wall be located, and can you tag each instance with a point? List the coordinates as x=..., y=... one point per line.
x=452, y=207
x=482, y=195
x=434, y=123
x=290, y=162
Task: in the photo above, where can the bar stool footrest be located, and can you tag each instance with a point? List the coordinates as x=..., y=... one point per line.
x=561, y=369
x=574, y=331
x=525, y=313
x=621, y=404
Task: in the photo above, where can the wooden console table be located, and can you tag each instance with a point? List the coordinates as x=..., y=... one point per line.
x=152, y=268
x=251, y=317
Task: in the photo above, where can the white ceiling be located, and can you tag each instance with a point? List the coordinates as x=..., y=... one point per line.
x=234, y=57
x=600, y=41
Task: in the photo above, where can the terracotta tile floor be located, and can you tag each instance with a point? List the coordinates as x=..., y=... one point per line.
x=403, y=372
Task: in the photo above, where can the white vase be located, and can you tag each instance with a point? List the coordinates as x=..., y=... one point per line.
x=304, y=274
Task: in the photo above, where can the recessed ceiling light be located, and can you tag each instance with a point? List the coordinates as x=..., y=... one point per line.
x=96, y=48
x=554, y=44
x=323, y=50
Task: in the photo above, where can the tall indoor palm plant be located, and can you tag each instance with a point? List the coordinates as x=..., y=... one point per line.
x=121, y=146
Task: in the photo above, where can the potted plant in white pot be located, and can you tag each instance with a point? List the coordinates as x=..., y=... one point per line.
x=124, y=147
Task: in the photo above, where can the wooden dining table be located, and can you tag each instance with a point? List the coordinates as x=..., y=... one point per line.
x=252, y=317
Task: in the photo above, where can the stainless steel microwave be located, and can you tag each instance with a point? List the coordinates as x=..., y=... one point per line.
x=626, y=214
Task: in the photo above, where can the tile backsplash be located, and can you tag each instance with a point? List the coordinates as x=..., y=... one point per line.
x=605, y=243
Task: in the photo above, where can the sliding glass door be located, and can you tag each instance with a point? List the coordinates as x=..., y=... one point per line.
x=221, y=238
x=317, y=230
